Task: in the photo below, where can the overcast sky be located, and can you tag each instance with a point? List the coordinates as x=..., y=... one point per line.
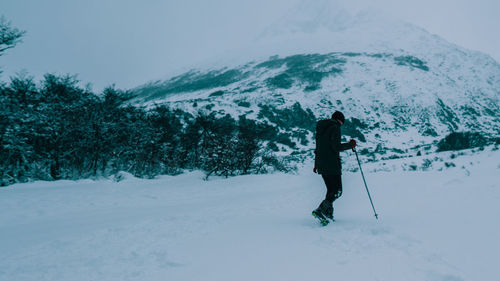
x=128, y=43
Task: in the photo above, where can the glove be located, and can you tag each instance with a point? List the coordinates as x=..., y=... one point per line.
x=315, y=170
x=353, y=143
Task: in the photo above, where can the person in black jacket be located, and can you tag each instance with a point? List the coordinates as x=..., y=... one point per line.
x=327, y=160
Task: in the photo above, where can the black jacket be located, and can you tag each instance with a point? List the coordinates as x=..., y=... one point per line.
x=328, y=146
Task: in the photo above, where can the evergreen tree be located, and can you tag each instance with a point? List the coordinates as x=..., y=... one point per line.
x=248, y=144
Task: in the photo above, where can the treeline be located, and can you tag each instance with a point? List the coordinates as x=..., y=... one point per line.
x=59, y=130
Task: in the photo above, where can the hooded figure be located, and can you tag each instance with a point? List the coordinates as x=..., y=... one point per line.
x=327, y=161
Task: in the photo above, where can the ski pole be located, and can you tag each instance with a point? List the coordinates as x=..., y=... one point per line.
x=359, y=163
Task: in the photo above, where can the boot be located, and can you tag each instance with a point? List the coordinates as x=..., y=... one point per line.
x=329, y=213
x=327, y=209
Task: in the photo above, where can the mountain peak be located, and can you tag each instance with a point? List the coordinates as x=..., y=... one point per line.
x=309, y=16
x=322, y=26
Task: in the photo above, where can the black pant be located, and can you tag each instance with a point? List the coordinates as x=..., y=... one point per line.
x=333, y=187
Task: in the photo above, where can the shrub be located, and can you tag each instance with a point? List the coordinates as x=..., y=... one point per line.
x=411, y=61
x=426, y=164
x=287, y=118
x=243, y=104
x=283, y=81
x=286, y=140
x=272, y=146
x=449, y=164
x=461, y=140
x=351, y=128
x=216, y=94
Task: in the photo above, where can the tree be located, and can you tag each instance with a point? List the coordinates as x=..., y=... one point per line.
x=217, y=144
x=19, y=119
x=248, y=144
x=9, y=36
x=64, y=134
x=109, y=130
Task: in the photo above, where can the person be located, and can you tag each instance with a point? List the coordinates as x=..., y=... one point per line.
x=327, y=162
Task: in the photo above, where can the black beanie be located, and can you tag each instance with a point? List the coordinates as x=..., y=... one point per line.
x=339, y=116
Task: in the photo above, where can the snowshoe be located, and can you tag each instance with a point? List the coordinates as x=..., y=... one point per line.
x=322, y=219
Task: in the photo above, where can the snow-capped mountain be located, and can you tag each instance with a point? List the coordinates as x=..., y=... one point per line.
x=404, y=86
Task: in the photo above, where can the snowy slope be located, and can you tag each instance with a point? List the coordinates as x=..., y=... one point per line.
x=407, y=86
x=433, y=226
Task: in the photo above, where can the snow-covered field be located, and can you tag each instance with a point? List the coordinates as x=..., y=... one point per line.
x=433, y=226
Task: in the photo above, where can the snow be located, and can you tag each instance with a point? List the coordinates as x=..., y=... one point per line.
x=434, y=225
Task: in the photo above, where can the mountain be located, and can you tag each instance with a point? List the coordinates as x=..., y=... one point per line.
x=400, y=87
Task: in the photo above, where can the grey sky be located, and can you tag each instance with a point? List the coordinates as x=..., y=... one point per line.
x=130, y=42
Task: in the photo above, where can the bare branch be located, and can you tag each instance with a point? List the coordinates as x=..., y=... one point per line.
x=9, y=36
